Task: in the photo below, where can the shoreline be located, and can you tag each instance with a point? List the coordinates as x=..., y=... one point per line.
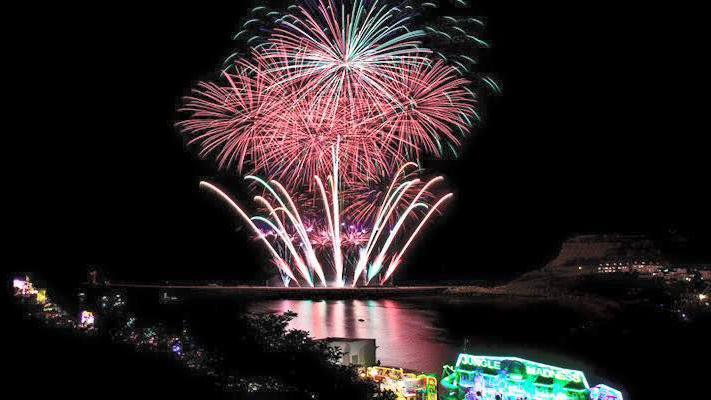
x=266, y=292
x=464, y=292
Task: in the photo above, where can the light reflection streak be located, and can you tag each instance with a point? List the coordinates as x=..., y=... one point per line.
x=406, y=335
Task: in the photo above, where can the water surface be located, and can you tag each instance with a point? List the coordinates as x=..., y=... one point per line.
x=411, y=334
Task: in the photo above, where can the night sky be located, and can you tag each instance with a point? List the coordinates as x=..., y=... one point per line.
x=597, y=131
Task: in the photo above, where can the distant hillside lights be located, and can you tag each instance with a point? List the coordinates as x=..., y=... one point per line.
x=642, y=267
x=650, y=270
x=44, y=308
x=634, y=254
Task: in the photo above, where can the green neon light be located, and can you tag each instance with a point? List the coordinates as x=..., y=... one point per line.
x=532, y=368
x=515, y=377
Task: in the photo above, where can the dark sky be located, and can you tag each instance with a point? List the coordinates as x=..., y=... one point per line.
x=596, y=132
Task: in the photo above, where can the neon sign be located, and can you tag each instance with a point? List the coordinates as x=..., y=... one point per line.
x=489, y=378
x=532, y=368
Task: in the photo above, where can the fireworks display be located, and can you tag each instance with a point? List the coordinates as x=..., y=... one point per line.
x=337, y=101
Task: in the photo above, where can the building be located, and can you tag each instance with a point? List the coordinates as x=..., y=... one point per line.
x=360, y=352
x=512, y=378
x=641, y=267
x=591, y=250
x=623, y=254
x=607, y=253
x=620, y=254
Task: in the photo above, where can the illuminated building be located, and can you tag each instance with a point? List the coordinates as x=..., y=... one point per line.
x=41, y=296
x=405, y=385
x=604, y=392
x=86, y=319
x=610, y=253
x=514, y=378
x=176, y=346
x=19, y=284
x=23, y=287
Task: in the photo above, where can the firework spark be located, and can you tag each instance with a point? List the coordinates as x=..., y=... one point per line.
x=347, y=73
x=330, y=96
x=347, y=53
x=298, y=242
x=365, y=197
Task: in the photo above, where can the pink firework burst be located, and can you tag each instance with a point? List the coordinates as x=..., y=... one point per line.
x=349, y=75
x=265, y=129
x=366, y=197
x=334, y=106
x=437, y=110
x=352, y=237
x=345, y=53
x=300, y=144
x=232, y=121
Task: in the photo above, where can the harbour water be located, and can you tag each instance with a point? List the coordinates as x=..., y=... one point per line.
x=424, y=334
x=406, y=335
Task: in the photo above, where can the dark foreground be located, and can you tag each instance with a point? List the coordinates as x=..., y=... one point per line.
x=643, y=350
x=50, y=364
